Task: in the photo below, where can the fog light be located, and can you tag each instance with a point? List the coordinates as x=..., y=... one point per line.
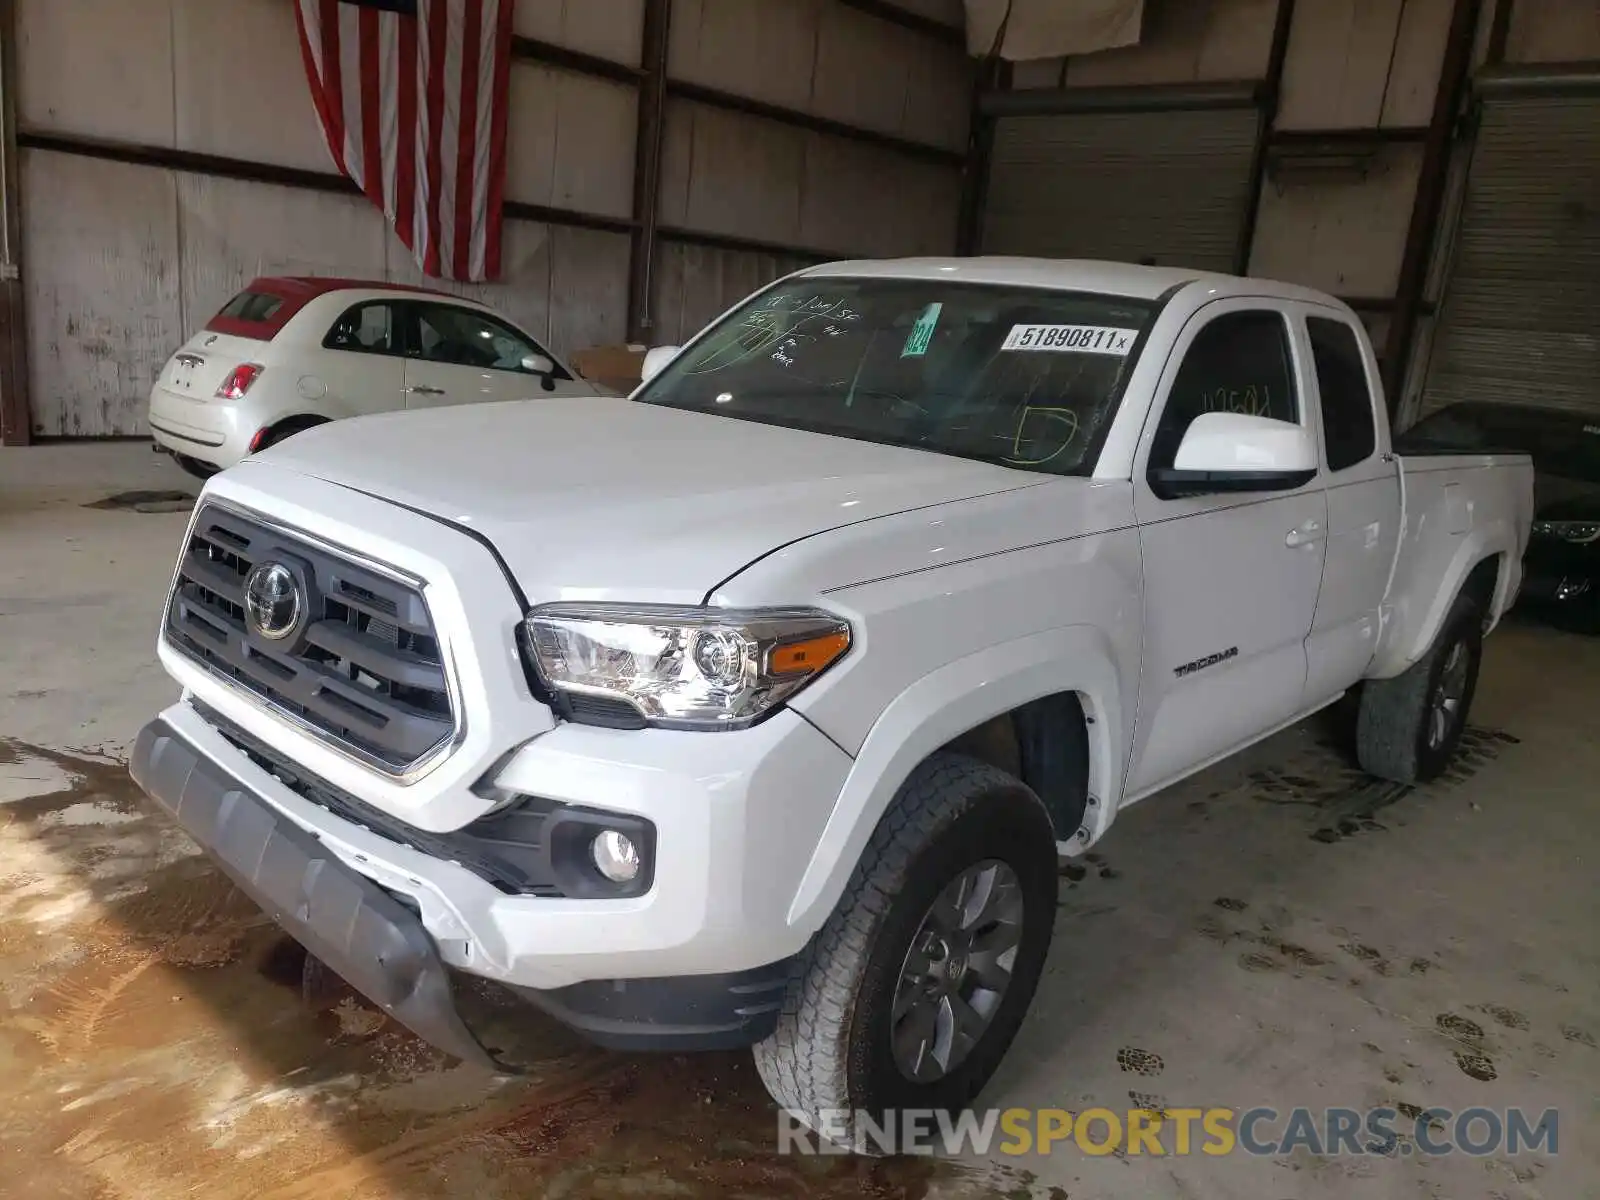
x=615, y=856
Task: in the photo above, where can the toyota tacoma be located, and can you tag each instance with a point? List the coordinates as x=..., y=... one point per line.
x=756, y=708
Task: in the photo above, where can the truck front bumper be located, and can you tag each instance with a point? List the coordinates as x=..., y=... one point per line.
x=361, y=931
x=698, y=962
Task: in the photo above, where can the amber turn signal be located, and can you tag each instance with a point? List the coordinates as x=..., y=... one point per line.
x=807, y=657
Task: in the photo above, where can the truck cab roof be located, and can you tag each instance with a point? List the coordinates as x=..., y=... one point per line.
x=1085, y=275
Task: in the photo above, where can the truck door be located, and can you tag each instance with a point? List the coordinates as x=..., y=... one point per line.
x=1230, y=579
x=1363, y=505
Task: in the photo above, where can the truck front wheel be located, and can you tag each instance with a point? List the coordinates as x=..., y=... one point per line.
x=913, y=990
x=1409, y=726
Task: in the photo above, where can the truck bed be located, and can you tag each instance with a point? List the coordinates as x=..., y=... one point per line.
x=1453, y=504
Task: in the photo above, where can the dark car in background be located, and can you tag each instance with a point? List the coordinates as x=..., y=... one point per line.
x=1562, y=566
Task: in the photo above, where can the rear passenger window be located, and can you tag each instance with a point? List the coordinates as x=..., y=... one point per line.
x=366, y=329
x=1238, y=363
x=1348, y=426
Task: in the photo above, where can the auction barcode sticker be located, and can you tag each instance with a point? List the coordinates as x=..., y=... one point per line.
x=1072, y=339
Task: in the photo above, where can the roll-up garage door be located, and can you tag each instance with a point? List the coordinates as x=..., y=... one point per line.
x=1520, y=322
x=1172, y=186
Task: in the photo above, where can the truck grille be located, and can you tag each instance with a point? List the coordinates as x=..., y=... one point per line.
x=362, y=666
x=502, y=848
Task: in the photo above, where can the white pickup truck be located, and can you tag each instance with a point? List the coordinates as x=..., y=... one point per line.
x=756, y=708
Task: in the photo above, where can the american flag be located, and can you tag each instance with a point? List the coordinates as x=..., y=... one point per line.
x=412, y=99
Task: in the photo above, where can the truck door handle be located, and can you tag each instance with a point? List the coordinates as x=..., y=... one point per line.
x=1303, y=536
x=422, y=389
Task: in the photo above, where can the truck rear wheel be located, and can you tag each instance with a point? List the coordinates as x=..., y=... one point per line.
x=1409, y=726
x=911, y=993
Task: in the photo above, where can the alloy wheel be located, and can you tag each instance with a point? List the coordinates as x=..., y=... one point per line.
x=1444, y=709
x=956, y=971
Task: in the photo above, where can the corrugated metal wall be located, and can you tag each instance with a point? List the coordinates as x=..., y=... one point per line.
x=124, y=259
x=1511, y=294
x=1170, y=187
x=1342, y=160
x=1520, y=322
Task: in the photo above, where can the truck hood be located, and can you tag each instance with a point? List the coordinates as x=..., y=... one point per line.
x=596, y=498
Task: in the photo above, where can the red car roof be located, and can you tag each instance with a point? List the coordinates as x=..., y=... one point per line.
x=320, y=285
x=295, y=292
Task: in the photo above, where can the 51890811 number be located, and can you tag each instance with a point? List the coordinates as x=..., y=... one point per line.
x=1072, y=339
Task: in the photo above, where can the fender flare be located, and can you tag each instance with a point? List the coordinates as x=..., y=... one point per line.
x=1493, y=541
x=945, y=704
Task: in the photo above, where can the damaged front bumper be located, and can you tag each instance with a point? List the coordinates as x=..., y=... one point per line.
x=363, y=933
x=375, y=938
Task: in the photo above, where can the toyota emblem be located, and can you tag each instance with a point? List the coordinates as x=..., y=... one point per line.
x=273, y=601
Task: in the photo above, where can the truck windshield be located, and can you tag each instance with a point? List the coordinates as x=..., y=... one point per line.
x=1023, y=377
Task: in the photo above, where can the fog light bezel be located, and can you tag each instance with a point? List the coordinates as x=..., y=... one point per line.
x=569, y=837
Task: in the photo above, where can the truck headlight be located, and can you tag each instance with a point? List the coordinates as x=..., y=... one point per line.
x=683, y=667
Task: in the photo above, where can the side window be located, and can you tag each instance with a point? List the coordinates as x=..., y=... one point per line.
x=1348, y=425
x=369, y=328
x=446, y=334
x=1240, y=362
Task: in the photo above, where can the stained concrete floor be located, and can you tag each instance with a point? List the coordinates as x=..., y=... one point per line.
x=1278, y=931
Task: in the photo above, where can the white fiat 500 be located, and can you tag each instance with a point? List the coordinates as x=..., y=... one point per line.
x=289, y=353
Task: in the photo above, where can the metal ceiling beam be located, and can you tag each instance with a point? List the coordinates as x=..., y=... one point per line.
x=1271, y=92
x=732, y=102
x=651, y=126
x=994, y=75
x=1120, y=98
x=250, y=171
x=949, y=35
x=1499, y=33
x=1353, y=136
x=1455, y=71
x=16, y=422
x=551, y=55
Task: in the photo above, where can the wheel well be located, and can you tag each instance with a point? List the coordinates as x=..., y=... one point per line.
x=1044, y=743
x=282, y=429
x=1483, y=584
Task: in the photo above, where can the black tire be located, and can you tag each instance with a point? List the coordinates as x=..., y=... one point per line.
x=194, y=467
x=287, y=429
x=832, y=1050
x=1397, y=735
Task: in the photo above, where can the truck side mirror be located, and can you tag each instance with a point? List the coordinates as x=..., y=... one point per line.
x=1236, y=452
x=655, y=359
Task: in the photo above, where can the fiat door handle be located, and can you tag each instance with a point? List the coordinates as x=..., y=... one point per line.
x=1303, y=536
x=422, y=389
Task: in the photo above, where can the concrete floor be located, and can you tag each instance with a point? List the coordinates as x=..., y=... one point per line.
x=1275, y=932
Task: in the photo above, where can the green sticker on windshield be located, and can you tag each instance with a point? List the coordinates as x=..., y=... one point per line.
x=922, y=331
